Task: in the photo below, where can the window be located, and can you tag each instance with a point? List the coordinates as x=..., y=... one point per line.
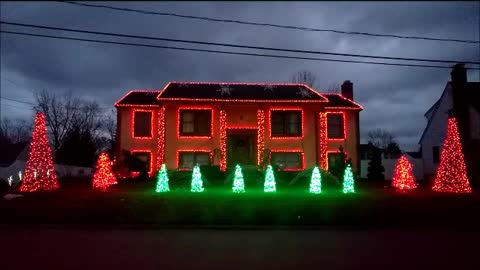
x=286, y=160
x=334, y=159
x=286, y=123
x=141, y=160
x=436, y=154
x=195, y=122
x=190, y=159
x=335, y=126
x=142, y=124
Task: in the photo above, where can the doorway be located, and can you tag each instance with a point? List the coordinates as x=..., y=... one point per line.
x=241, y=147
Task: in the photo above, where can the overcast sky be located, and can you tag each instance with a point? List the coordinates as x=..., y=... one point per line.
x=394, y=98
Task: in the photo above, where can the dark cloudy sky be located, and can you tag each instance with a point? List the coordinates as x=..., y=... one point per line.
x=394, y=98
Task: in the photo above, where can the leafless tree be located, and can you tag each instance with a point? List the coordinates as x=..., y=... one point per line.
x=305, y=77
x=334, y=88
x=110, y=125
x=18, y=130
x=381, y=138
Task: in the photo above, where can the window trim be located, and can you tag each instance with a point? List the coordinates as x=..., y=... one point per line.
x=134, y=151
x=286, y=136
x=181, y=135
x=344, y=126
x=331, y=152
x=194, y=151
x=133, y=124
x=285, y=151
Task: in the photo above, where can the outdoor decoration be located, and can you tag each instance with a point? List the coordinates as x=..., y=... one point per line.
x=403, y=177
x=197, y=183
x=348, y=181
x=452, y=172
x=103, y=177
x=269, y=184
x=316, y=181
x=238, y=183
x=39, y=171
x=162, y=180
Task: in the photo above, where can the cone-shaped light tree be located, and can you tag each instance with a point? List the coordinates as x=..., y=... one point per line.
x=39, y=171
x=316, y=181
x=238, y=183
x=197, y=182
x=452, y=172
x=269, y=184
x=348, y=181
x=103, y=177
x=403, y=177
x=162, y=180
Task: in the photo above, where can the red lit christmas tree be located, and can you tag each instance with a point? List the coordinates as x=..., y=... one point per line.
x=103, y=177
x=403, y=178
x=39, y=171
x=452, y=172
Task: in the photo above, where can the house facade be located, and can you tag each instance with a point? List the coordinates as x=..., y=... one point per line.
x=462, y=98
x=187, y=123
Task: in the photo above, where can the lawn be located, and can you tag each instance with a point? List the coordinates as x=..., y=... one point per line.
x=137, y=205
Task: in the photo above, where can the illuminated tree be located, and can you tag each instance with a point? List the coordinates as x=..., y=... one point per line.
x=348, y=181
x=238, y=183
x=103, y=177
x=269, y=185
x=403, y=177
x=162, y=180
x=197, y=183
x=452, y=172
x=39, y=171
x=316, y=181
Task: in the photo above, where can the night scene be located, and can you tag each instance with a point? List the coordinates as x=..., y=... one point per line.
x=239, y=135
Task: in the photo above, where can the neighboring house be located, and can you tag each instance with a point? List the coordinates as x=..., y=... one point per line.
x=388, y=164
x=223, y=124
x=463, y=99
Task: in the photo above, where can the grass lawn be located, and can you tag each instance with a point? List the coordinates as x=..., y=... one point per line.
x=137, y=205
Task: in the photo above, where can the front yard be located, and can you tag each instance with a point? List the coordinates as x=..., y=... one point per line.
x=137, y=205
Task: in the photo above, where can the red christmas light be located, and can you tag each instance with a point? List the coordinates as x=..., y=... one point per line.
x=300, y=151
x=322, y=141
x=344, y=126
x=223, y=140
x=39, y=171
x=260, y=135
x=296, y=109
x=452, y=172
x=117, y=104
x=180, y=109
x=103, y=177
x=403, y=177
x=332, y=152
x=133, y=124
x=161, y=137
x=344, y=108
x=133, y=151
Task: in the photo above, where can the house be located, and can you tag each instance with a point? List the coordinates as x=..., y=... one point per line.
x=463, y=99
x=186, y=123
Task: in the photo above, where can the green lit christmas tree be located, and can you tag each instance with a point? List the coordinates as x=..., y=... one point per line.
x=316, y=181
x=197, y=183
x=162, y=180
x=238, y=183
x=269, y=185
x=348, y=181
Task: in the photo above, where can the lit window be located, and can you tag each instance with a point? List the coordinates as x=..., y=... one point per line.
x=335, y=126
x=195, y=122
x=334, y=159
x=286, y=160
x=190, y=159
x=286, y=123
x=142, y=124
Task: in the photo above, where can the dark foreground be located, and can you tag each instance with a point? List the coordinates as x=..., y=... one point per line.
x=238, y=249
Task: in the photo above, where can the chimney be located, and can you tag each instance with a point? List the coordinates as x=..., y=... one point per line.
x=459, y=76
x=347, y=89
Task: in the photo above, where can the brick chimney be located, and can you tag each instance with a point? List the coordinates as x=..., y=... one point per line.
x=347, y=89
x=459, y=76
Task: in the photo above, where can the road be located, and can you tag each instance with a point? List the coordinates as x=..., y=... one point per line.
x=238, y=249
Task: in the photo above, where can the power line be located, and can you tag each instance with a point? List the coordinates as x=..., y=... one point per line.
x=23, y=108
x=17, y=84
x=11, y=99
x=291, y=27
x=234, y=45
x=225, y=52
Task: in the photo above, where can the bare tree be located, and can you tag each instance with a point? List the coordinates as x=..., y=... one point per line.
x=381, y=138
x=110, y=125
x=18, y=130
x=305, y=77
x=334, y=88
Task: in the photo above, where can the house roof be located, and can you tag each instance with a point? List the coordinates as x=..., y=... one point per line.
x=11, y=152
x=239, y=91
x=236, y=91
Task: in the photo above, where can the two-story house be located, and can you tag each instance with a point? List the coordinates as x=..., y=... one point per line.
x=187, y=123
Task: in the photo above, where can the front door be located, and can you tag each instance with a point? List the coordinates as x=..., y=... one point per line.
x=241, y=149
